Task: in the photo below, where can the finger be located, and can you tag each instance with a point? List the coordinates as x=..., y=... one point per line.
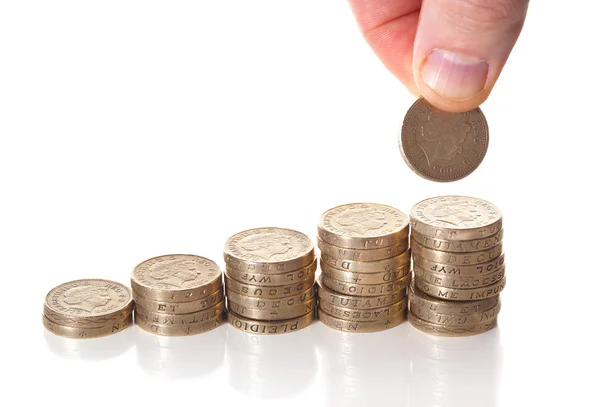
x=389, y=26
x=460, y=48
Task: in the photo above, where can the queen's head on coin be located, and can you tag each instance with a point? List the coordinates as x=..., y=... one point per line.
x=174, y=272
x=443, y=135
x=455, y=214
x=361, y=221
x=267, y=245
x=86, y=298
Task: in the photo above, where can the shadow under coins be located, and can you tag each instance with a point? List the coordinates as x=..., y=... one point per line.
x=365, y=369
x=271, y=367
x=453, y=372
x=180, y=356
x=106, y=347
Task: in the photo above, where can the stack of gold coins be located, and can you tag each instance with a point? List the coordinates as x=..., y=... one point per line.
x=458, y=262
x=365, y=267
x=88, y=308
x=178, y=294
x=269, y=280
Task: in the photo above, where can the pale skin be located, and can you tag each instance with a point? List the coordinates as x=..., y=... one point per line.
x=451, y=52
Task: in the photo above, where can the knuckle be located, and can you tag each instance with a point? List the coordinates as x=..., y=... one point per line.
x=485, y=13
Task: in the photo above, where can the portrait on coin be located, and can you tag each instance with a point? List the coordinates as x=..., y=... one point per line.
x=455, y=214
x=86, y=298
x=442, y=135
x=361, y=221
x=267, y=245
x=174, y=272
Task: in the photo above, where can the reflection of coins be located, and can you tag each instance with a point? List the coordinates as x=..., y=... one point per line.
x=460, y=246
x=294, y=276
x=459, y=270
x=355, y=302
x=451, y=281
x=361, y=326
x=442, y=330
x=365, y=290
x=281, y=291
x=364, y=278
x=452, y=294
x=422, y=300
x=273, y=314
x=460, y=259
x=270, y=303
x=363, y=226
x=163, y=307
x=179, y=329
x=72, y=332
x=373, y=314
x=363, y=255
x=455, y=320
x=443, y=146
x=367, y=266
x=456, y=218
x=270, y=327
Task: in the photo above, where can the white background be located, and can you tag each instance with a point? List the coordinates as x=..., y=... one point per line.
x=131, y=129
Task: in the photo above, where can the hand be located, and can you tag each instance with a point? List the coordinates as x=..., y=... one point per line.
x=449, y=51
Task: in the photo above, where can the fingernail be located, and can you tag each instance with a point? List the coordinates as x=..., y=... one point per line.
x=454, y=76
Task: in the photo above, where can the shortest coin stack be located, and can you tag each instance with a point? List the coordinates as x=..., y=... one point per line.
x=365, y=267
x=458, y=264
x=177, y=295
x=88, y=308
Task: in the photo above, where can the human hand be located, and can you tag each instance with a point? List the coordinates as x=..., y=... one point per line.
x=450, y=52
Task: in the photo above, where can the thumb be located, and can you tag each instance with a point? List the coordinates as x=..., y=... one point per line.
x=461, y=47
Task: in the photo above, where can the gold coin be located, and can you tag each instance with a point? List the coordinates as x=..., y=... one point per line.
x=365, y=278
x=88, y=303
x=269, y=251
x=274, y=314
x=181, y=319
x=457, y=246
x=451, y=281
x=270, y=303
x=180, y=330
x=365, y=290
x=349, y=301
x=72, y=332
x=176, y=278
x=453, y=294
x=441, y=330
x=164, y=307
x=281, y=291
x=270, y=327
x=363, y=226
x=455, y=320
x=458, y=259
x=368, y=266
x=455, y=218
x=459, y=270
x=375, y=314
x=267, y=280
x=418, y=298
x=361, y=326
x=363, y=255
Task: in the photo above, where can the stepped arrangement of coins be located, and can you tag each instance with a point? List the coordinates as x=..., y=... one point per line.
x=458, y=264
x=269, y=280
x=88, y=308
x=178, y=295
x=365, y=267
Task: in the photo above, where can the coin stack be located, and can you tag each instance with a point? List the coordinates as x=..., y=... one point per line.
x=177, y=295
x=88, y=308
x=458, y=262
x=269, y=280
x=365, y=267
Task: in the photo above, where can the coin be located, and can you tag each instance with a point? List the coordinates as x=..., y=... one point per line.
x=365, y=278
x=459, y=270
x=73, y=332
x=365, y=290
x=455, y=320
x=268, y=292
x=453, y=294
x=367, y=266
x=270, y=327
x=363, y=226
x=450, y=281
x=363, y=255
x=460, y=246
x=269, y=250
x=420, y=299
x=88, y=303
x=181, y=319
x=374, y=314
x=164, y=307
x=438, y=256
x=176, y=278
x=361, y=326
x=270, y=303
x=442, y=330
x=443, y=146
x=455, y=218
x=180, y=330
x=267, y=280
x=348, y=301
x=273, y=314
